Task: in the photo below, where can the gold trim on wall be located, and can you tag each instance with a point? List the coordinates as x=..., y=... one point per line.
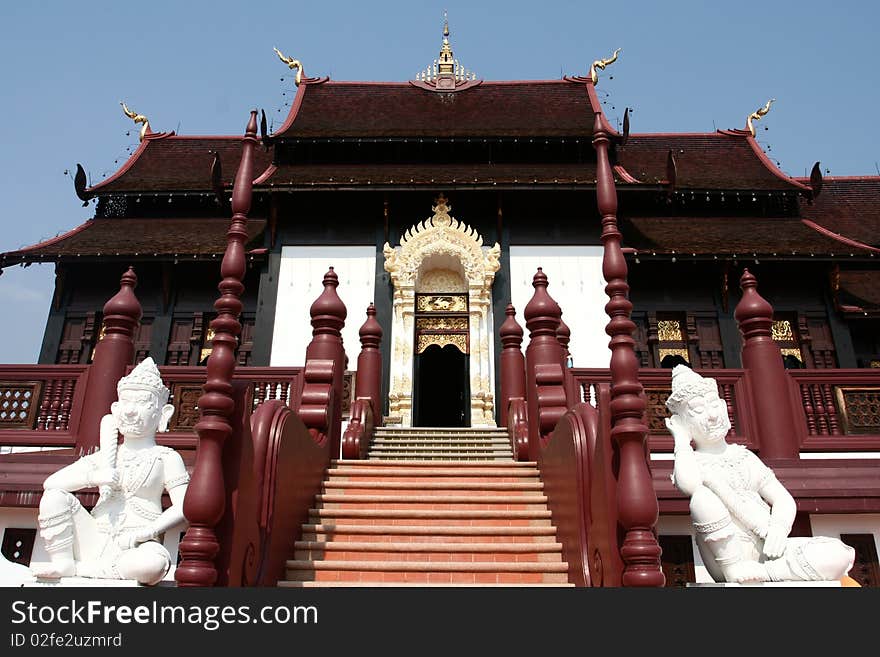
x=458, y=340
x=445, y=303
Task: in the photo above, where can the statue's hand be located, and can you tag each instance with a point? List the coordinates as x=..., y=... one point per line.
x=133, y=539
x=679, y=433
x=104, y=477
x=109, y=428
x=774, y=542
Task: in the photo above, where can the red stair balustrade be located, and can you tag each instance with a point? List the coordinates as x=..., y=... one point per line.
x=205, y=497
x=637, y=504
x=512, y=411
x=113, y=354
x=367, y=390
x=544, y=357
x=328, y=315
x=774, y=419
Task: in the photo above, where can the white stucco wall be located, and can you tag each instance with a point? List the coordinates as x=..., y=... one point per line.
x=299, y=284
x=576, y=283
x=855, y=523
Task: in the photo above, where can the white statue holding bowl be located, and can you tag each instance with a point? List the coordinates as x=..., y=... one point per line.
x=117, y=540
x=742, y=515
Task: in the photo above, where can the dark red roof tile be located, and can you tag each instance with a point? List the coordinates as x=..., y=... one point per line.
x=782, y=236
x=138, y=236
x=172, y=163
x=703, y=161
x=499, y=109
x=849, y=207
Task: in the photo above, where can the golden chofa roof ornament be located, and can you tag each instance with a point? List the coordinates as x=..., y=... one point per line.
x=291, y=64
x=445, y=71
x=756, y=116
x=602, y=63
x=137, y=118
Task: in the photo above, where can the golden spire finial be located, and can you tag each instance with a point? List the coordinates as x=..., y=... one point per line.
x=291, y=64
x=137, y=118
x=446, y=62
x=756, y=116
x=601, y=63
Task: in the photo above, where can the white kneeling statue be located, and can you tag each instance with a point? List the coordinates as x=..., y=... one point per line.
x=742, y=515
x=117, y=540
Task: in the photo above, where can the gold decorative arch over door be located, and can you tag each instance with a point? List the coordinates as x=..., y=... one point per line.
x=442, y=263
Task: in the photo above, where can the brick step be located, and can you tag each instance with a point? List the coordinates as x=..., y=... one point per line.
x=445, y=455
x=472, y=551
x=421, y=571
x=424, y=533
x=440, y=444
x=430, y=583
x=481, y=485
x=433, y=431
x=420, y=479
x=434, y=446
x=353, y=499
x=365, y=465
x=404, y=471
x=460, y=514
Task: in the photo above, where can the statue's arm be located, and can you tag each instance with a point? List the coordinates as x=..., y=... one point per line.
x=782, y=513
x=176, y=480
x=686, y=473
x=73, y=477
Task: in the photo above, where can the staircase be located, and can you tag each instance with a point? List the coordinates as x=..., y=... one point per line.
x=430, y=507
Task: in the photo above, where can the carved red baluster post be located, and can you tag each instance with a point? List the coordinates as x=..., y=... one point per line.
x=637, y=504
x=368, y=381
x=542, y=315
x=774, y=418
x=113, y=354
x=513, y=363
x=328, y=317
x=205, y=498
x=563, y=334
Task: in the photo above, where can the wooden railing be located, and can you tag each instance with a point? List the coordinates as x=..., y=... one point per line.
x=733, y=387
x=40, y=405
x=840, y=409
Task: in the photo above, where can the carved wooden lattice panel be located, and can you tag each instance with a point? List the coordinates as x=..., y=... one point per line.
x=185, y=397
x=347, y=393
x=19, y=404
x=866, y=569
x=677, y=560
x=656, y=409
x=859, y=409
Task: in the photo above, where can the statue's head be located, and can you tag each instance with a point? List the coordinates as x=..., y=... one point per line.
x=695, y=400
x=142, y=408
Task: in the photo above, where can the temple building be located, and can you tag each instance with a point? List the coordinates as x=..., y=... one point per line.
x=436, y=200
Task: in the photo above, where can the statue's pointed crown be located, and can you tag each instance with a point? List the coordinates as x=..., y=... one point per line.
x=145, y=376
x=687, y=384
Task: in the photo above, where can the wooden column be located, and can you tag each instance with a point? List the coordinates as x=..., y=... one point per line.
x=328, y=317
x=205, y=497
x=636, y=500
x=513, y=364
x=774, y=418
x=113, y=354
x=368, y=380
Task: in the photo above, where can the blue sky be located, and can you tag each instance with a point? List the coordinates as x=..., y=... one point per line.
x=198, y=68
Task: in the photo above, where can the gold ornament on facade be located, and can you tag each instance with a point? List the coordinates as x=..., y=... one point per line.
x=137, y=118
x=440, y=280
x=444, y=303
x=664, y=352
x=457, y=340
x=756, y=115
x=781, y=331
x=669, y=330
x=292, y=64
x=601, y=64
x=442, y=324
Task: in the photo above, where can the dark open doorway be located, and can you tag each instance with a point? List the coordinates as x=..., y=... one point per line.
x=442, y=388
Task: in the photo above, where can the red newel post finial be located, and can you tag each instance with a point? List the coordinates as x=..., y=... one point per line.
x=542, y=315
x=113, y=354
x=205, y=497
x=770, y=382
x=637, y=504
x=513, y=363
x=368, y=381
x=328, y=315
